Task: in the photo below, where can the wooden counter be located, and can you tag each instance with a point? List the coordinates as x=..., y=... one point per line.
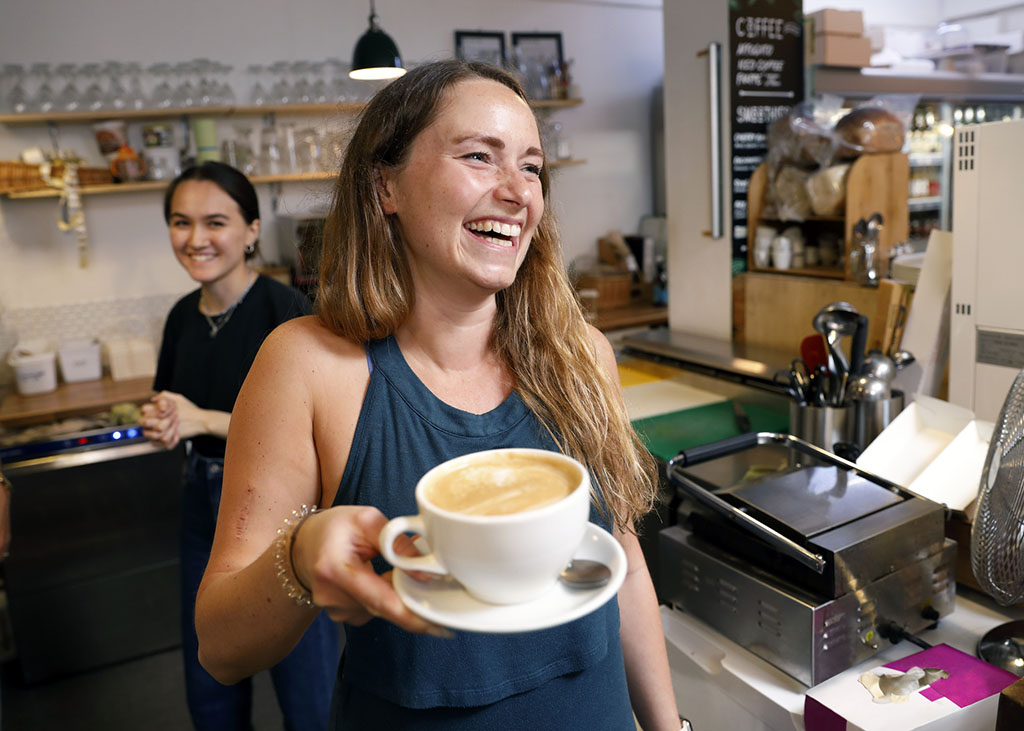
x=634, y=315
x=72, y=399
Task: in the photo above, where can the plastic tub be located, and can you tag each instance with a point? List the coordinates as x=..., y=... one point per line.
x=35, y=367
x=80, y=360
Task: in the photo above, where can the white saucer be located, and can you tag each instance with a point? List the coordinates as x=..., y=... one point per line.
x=444, y=601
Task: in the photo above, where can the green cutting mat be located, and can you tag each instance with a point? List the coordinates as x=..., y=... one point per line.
x=666, y=434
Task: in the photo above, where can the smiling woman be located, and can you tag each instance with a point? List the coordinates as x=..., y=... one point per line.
x=213, y=218
x=446, y=325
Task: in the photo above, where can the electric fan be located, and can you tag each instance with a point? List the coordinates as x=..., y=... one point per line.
x=997, y=536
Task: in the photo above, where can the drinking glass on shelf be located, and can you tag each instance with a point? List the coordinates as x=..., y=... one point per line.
x=17, y=99
x=225, y=92
x=163, y=93
x=205, y=92
x=244, y=150
x=319, y=89
x=257, y=92
x=270, y=152
x=70, y=97
x=92, y=97
x=116, y=97
x=44, y=99
x=184, y=90
x=281, y=91
x=301, y=86
x=136, y=97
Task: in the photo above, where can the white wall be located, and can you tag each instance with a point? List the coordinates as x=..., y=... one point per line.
x=925, y=13
x=617, y=48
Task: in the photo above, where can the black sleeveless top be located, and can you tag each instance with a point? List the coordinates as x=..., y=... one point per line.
x=402, y=432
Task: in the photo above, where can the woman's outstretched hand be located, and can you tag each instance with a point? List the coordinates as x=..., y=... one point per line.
x=331, y=554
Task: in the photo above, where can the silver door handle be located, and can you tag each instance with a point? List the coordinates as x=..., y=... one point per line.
x=714, y=54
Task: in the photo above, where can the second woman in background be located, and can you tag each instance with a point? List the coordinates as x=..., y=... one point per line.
x=210, y=340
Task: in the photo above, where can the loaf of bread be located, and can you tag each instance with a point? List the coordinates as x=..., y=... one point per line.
x=789, y=194
x=868, y=129
x=796, y=139
x=826, y=190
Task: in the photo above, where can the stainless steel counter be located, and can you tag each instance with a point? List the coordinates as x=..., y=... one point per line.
x=747, y=364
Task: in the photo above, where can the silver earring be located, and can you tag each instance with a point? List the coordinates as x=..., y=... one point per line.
x=250, y=248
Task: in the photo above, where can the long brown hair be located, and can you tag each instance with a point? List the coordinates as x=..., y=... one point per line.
x=366, y=293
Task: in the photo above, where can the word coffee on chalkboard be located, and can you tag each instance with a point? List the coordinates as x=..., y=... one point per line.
x=766, y=79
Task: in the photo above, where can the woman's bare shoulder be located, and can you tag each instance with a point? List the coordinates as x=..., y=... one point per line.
x=306, y=341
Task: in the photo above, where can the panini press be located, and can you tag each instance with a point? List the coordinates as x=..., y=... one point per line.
x=814, y=567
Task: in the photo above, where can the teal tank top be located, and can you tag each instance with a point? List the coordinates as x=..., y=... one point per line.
x=403, y=431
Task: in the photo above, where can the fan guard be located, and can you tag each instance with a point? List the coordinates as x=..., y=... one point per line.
x=997, y=536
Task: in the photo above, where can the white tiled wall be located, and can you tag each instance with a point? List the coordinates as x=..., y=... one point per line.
x=138, y=317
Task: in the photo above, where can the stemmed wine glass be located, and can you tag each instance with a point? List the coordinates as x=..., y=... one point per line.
x=163, y=93
x=257, y=93
x=136, y=96
x=17, y=98
x=281, y=91
x=70, y=97
x=92, y=98
x=116, y=97
x=185, y=91
x=44, y=99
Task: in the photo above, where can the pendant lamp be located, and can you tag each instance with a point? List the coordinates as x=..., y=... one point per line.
x=376, y=55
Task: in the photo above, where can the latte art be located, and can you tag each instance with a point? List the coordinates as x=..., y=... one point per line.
x=503, y=484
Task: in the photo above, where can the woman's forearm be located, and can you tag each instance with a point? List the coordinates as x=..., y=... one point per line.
x=245, y=621
x=643, y=647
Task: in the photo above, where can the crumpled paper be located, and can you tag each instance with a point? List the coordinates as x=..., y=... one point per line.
x=898, y=687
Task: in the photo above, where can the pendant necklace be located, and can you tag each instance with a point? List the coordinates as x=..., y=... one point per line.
x=218, y=321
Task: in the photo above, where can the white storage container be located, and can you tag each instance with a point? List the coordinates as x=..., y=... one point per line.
x=80, y=360
x=35, y=366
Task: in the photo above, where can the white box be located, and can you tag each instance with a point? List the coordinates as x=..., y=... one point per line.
x=80, y=360
x=35, y=367
x=913, y=439
x=130, y=358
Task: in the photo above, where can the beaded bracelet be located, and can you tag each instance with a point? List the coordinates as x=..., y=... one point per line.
x=283, y=561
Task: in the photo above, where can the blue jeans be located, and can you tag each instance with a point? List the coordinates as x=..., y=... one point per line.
x=303, y=681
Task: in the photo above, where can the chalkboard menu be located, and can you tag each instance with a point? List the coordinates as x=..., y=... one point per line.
x=766, y=79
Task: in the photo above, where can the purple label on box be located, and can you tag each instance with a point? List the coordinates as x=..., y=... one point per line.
x=970, y=679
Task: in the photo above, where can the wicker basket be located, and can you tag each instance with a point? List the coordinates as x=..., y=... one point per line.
x=21, y=176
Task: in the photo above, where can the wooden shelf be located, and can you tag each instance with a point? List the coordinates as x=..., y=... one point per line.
x=85, y=117
x=875, y=183
x=148, y=185
x=72, y=399
x=568, y=163
x=823, y=272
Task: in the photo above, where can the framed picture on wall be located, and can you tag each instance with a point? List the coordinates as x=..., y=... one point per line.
x=486, y=46
x=537, y=48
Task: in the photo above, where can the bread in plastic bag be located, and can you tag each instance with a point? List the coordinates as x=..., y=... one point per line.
x=789, y=194
x=879, y=125
x=826, y=190
x=804, y=135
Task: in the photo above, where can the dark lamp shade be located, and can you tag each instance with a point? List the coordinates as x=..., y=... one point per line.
x=376, y=57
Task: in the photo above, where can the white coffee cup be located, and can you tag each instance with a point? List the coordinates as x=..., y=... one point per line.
x=502, y=558
x=782, y=252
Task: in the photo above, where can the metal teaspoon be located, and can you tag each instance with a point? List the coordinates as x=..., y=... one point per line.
x=581, y=573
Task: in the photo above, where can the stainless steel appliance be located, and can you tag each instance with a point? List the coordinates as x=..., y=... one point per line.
x=92, y=578
x=814, y=567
